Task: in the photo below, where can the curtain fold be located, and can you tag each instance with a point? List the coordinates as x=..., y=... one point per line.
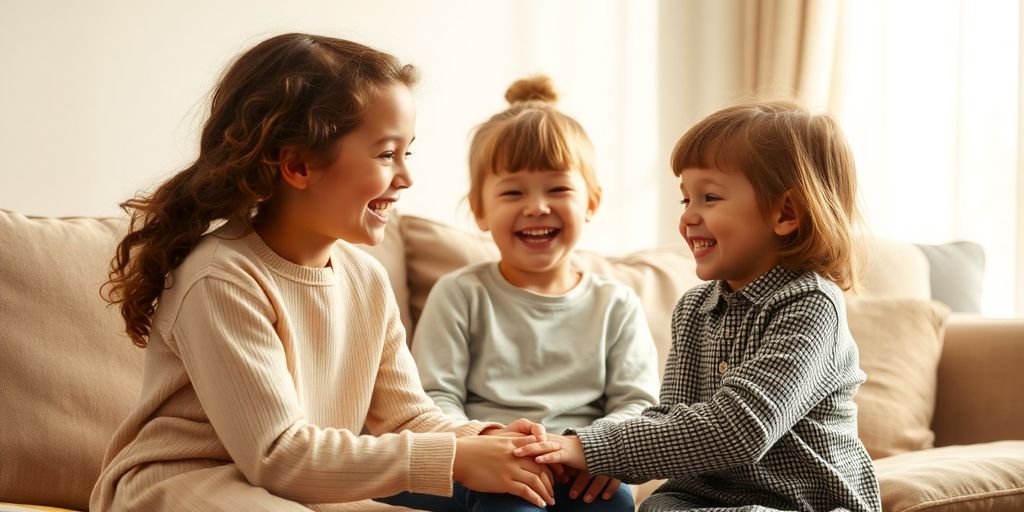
x=790, y=49
x=929, y=93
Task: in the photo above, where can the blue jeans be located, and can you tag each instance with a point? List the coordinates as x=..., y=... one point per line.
x=465, y=500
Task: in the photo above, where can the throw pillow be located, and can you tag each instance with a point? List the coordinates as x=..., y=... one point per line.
x=900, y=341
x=69, y=375
x=894, y=269
x=988, y=476
x=956, y=271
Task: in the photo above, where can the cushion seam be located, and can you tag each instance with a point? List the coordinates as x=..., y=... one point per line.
x=947, y=501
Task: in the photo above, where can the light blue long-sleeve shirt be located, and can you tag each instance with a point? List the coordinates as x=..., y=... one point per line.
x=488, y=350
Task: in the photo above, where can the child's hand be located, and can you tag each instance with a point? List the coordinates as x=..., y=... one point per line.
x=597, y=484
x=565, y=450
x=486, y=464
x=519, y=428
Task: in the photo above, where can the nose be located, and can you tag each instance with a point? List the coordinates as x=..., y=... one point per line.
x=537, y=205
x=402, y=178
x=689, y=217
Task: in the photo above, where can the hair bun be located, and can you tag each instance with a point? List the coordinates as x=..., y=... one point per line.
x=533, y=88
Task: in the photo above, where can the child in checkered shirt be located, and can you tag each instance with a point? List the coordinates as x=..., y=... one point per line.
x=757, y=408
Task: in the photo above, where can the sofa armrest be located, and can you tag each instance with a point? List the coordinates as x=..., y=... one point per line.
x=980, y=394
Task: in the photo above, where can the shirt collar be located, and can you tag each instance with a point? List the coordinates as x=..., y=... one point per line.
x=758, y=289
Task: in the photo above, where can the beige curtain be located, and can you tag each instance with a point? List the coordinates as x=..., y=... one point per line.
x=715, y=53
x=790, y=49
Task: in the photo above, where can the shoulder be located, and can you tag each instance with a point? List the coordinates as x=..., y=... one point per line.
x=694, y=298
x=809, y=292
x=612, y=292
x=217, y=261
x=469, y=280
x=223, y=256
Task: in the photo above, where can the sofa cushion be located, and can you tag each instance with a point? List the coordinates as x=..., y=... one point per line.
x=894, y=269
x=659, y=276
x=900, y=341
x=69, y=375
x=11, y=507
x=957, y=271
x=987, y=476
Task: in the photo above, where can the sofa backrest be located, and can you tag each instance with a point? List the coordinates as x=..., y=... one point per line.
x=70, y=375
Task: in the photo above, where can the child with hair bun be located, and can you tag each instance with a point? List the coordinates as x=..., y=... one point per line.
x=530, y=335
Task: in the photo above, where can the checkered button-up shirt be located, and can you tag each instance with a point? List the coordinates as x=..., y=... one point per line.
x=756, y=405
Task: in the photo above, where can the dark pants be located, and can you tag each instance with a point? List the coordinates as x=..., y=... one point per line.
x=465, y=500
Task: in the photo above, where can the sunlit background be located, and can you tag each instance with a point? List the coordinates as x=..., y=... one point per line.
x=101, y=99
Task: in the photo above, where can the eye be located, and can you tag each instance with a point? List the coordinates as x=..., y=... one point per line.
x=408, y=155
x=685, y=201
x=560, y=189
x=387, y=155
x=510, y=193
x=710, y=197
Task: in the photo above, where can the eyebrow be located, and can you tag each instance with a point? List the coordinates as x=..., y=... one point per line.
x=711, y=180
x=516, y=176
x=396, y=138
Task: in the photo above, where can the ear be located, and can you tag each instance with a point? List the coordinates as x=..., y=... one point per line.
x=786, y=216
x=293, y=168
x=481, y=222
x=591, y=209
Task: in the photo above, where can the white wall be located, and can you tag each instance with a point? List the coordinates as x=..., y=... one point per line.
x=103, y=98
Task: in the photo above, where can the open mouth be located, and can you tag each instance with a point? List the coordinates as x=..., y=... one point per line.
x=702, y=245
x=380, y=207
x=538, y=236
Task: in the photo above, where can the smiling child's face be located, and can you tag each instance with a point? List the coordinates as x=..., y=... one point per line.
x=351, y=196
x=536, y=218
x=731, y=238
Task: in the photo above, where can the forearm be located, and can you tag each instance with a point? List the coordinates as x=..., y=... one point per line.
x=313, y=465
x=670, y=442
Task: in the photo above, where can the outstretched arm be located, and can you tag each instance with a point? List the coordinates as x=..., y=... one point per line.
x=794, y=368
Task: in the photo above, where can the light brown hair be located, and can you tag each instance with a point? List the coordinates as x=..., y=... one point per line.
x=533, y=135
x=781, y=148
x=296, y=91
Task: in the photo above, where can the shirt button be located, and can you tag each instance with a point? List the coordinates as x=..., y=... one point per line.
x=722, y=367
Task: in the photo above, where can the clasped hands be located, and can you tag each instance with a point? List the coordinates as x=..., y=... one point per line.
x=535, y=459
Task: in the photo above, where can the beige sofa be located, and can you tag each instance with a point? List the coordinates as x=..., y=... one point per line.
x=942, y=411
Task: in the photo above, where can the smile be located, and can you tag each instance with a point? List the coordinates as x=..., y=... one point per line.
x=702, y=246
x=380, y=207
x=538, y=235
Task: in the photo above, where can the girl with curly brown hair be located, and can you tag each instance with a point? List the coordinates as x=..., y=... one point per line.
x=270, y=345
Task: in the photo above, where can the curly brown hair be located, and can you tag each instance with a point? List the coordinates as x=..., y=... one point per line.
x=297, y=91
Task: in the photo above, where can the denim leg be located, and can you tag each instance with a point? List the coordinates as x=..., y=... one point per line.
x=621, y=501
x=425, y=502
x=487, y=502
x=466, y=500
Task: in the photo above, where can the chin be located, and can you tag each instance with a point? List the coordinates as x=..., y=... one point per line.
x=705, y=275
x=374, y=237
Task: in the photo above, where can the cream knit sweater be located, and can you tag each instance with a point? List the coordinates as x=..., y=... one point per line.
x=277, y=368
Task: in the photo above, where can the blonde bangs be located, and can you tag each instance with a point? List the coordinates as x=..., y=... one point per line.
x=535, y=142
x=530, y=137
